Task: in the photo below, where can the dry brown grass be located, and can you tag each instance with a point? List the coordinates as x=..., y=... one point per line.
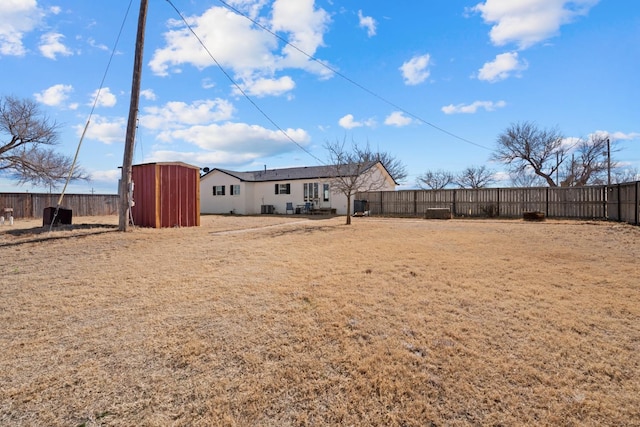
x=278, y=321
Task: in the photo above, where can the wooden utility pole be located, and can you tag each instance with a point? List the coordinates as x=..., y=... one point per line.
x=126, y=192
x=608, y=163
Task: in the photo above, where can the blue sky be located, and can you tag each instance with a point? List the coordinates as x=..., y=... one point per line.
x=441, y=79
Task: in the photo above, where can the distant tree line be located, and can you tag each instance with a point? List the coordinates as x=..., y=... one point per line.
x=536, y=156
x=532, y=155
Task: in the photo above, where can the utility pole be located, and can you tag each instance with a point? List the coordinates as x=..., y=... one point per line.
x=608, y=163
x=126, y=196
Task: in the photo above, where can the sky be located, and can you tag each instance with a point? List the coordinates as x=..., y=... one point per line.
x=249, y=84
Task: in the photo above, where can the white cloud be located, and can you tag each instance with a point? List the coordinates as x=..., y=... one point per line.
x=51, y=46
x=306, y=26
x=528, y=22
x=367, y=22
x=179, y=115
x=55, y=95
x=207, y=83
x=105, y=98
x=109, y=176
x=473, y=107
x=349, y=122
x=230, y=36
x=502, y=67
x=398, y=119
x=93, y=43
x=570, y=143
x=615, y=136
x=267, y=87
x=17, y=18
x=148, y=94
x=416, y=70
x=241, y=139
x=202, y=158
x=621, y=136
x=104, y=129
x=252, y=54
x=250, y=8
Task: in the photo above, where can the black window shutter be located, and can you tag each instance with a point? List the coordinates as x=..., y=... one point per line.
x=276, y=188
x=231, y=190
x=214, y=190
x=288, y=188
x=223, y=190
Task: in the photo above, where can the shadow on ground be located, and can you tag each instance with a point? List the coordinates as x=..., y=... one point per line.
x=46, y=233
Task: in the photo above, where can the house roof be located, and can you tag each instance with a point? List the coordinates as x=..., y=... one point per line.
x=305, y=172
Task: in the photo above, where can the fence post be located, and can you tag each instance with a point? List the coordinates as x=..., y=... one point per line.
x=454, y=213
x=637, y=203
x=619, y=204
x=546, y=204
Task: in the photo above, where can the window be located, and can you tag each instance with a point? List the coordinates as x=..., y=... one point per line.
x=325, y=192
x=310, y=191
x=234, y=190
x=218, y=190
x=283, y=188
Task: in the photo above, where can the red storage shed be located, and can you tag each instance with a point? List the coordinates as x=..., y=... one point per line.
x=166, y=194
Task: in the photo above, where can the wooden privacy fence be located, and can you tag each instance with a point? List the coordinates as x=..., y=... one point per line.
x=618, y=202
x=622, y=202
x=32, y=205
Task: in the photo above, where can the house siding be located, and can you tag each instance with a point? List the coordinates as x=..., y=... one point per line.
x=254, y=194
x=222, y=204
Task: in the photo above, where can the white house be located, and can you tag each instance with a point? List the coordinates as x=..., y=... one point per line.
x=273, y=191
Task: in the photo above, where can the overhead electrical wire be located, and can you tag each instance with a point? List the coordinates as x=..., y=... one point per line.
x=238, y=87
x=350, y=80
x=93, y=107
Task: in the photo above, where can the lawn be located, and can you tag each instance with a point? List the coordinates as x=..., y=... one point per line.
x=289, y=321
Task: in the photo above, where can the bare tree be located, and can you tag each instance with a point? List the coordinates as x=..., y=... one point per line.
x=589, y=163
x=435, y=180
x=25, y=137
x=526, y=148
x=353, y=170
x=621, y=175
x=475, y=177
x=527, y=180
x=392, y=164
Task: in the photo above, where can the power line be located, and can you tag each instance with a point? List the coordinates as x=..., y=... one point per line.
x=239, y=88
x=350, y=80
x=93, y=107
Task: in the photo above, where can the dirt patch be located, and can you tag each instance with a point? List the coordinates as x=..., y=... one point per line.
x=276, y=320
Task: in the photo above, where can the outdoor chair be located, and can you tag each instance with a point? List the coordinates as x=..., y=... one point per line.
x=308, y=207
x=289, y=208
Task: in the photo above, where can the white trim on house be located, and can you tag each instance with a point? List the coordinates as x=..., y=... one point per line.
x=261, y=190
